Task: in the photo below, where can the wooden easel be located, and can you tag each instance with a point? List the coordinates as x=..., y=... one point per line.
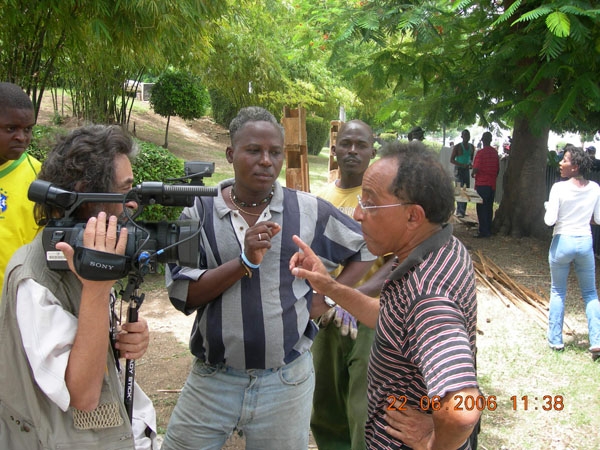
x=296, y=151
x=334, y=172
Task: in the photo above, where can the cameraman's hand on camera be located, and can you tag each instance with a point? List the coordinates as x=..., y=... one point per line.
x=100, y=234
x=87, y=359
x=132, y=340
x=258, y=240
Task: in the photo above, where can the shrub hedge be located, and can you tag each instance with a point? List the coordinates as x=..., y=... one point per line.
x=317, y=132
x=223, y=110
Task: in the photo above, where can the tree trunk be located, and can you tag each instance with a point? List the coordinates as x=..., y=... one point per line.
x=166, y=145
x=521, y=211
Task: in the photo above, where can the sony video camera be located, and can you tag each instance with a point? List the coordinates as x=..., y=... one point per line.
x=148, y=243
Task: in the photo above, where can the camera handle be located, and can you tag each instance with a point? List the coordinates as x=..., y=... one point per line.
x=133, y=296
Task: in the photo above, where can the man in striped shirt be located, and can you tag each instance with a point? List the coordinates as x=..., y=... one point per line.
x=422, y=365
x=253, y=370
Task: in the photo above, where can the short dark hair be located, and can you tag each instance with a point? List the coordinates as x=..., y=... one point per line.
x=580, y=158
x=486, y=138
x=83, y=161
x=421, y=179
x=13, y=97
x=344, y=125
x=416, y=133
x=251, y=114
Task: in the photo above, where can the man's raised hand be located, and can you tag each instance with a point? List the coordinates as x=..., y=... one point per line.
x=305, y=264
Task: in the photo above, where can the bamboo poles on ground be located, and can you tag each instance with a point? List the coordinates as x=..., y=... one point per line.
x=511, y=292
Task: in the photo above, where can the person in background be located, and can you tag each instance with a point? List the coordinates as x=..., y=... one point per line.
x=462, y=157
x=17, y=170
x=591, y=150
x=253, y=371
x=486, y=166
x=59, y=381
x=571, y=205
x=341, y=354
x=427, y=308
x=506, y=147
x=416, y=133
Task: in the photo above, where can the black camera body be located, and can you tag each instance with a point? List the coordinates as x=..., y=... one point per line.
x=148, y=243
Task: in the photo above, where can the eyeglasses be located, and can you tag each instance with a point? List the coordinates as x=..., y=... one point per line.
x=366, y=208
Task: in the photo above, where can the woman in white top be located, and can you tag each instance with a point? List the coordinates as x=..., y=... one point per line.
x=572, y=205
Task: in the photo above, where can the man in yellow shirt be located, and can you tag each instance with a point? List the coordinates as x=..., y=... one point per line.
x=17, y=171
x=341, y=355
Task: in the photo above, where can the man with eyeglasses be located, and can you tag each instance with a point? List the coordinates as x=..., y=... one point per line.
x=59, y=384
x=341, y=348
x=422, y=365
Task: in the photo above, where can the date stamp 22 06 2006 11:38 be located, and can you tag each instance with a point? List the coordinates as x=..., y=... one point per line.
x=480, y=402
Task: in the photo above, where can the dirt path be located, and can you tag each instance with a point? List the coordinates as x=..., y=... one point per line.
x=197, y=140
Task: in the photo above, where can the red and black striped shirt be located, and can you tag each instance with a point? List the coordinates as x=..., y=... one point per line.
x=425, y=340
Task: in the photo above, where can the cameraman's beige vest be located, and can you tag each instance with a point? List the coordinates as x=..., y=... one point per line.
x=28, y=419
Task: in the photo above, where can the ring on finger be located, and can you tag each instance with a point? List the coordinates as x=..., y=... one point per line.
x=259, y=237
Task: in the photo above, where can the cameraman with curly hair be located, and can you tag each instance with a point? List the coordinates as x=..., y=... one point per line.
x=59, y=383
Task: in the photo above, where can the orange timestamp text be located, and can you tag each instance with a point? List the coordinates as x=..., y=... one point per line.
x=479, y=403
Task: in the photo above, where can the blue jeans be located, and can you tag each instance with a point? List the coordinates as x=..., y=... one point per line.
x=579, y=251
x=485, y=210
x=463, y=177
x=271, y=407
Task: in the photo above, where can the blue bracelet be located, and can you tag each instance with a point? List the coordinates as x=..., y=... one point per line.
x=248, y=263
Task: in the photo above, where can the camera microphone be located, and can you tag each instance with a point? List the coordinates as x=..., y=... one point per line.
x=155, y=192
x=44, y=192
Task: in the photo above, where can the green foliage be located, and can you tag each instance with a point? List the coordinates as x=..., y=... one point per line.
x=179, y=94
x=155, y=163
x=317, y=132
x=433, y=146
x=468, y=61
x=92, y=48
x=247, y=57
x=558, y=23
x=553, y=160
x=223, y=110
x=386, y=137
x=285, y=53
x=43, y=140
x=57, y=119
